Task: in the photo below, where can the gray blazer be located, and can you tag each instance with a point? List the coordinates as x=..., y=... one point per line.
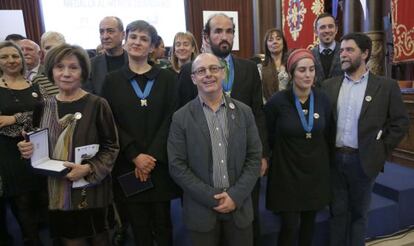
x=382, y=110
x=335, y=69
x=190, y=163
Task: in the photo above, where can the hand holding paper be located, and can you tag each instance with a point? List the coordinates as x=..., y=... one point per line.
x=77, y=171
x=84, y=153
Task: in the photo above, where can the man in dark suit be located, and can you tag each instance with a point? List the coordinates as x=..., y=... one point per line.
x=214, y=154
x=111, y=32
x=242, y=82
x=326, y=54
x=371, y=119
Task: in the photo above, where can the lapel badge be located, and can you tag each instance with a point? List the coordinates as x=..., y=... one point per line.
x=316, y=115
x=232, y=106
x=78, y=116
x=368, y=98
x=35, y=95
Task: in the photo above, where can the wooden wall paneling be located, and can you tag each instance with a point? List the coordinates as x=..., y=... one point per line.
x=404, y=153
x=267, y=19
x=194, y=15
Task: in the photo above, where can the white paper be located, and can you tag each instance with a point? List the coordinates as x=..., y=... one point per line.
x=52, y=165
x=84, y=153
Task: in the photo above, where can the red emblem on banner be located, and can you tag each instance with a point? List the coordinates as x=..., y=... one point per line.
x=298, y=17
x=402, y=30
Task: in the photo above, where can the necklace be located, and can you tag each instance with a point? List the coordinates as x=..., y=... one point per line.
x=13, y=94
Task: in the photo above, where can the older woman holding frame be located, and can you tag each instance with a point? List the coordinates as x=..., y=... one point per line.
x=76, y=118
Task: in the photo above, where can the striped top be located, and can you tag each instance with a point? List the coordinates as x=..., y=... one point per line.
x=218, y=128
x=50, y=88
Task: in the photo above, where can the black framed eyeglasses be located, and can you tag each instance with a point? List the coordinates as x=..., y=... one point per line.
x=202, y=71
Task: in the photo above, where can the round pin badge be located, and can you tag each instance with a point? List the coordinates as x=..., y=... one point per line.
x=231, y=105
x=35, y=95
x=78, y=116
x=316, y=115
x=368, y=98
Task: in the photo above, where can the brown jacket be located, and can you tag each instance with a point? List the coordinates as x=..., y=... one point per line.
x=96, y=126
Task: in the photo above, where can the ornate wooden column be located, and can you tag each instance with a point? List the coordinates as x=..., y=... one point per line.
x=373, y=27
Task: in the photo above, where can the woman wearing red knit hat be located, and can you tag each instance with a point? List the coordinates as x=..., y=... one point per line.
x=298, y=180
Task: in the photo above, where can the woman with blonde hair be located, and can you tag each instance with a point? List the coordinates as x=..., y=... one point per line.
x=184, y=50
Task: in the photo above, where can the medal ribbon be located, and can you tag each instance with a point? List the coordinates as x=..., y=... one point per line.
x=307, y=126
x=138, y=91
x=227, y=83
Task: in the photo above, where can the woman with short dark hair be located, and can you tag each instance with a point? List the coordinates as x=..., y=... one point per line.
x=75, y=118
x=143, y=99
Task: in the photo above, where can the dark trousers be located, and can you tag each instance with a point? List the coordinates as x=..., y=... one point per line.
x=224, y=233
x=5, y=237
x=25, y=209
x=296, y=226
x=256, y=214
x=351, y=199
x=150, y=222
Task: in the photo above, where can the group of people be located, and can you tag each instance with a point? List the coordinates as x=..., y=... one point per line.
x=206, y=128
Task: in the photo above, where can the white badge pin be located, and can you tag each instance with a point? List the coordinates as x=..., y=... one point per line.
x=231, y=105
x=368, y=98
x=316, y=115
x=34, y=94
x=78, y=116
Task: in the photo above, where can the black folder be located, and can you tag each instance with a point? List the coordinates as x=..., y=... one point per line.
x=131, y=185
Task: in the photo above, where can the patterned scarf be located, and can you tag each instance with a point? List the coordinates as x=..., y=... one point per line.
x=60, y=139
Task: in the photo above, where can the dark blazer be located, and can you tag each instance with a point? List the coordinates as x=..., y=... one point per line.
x=190, y=163
x=247, y=88
x=99, y=70
x=384, y=111
x=143, y=129
x=335, y=69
